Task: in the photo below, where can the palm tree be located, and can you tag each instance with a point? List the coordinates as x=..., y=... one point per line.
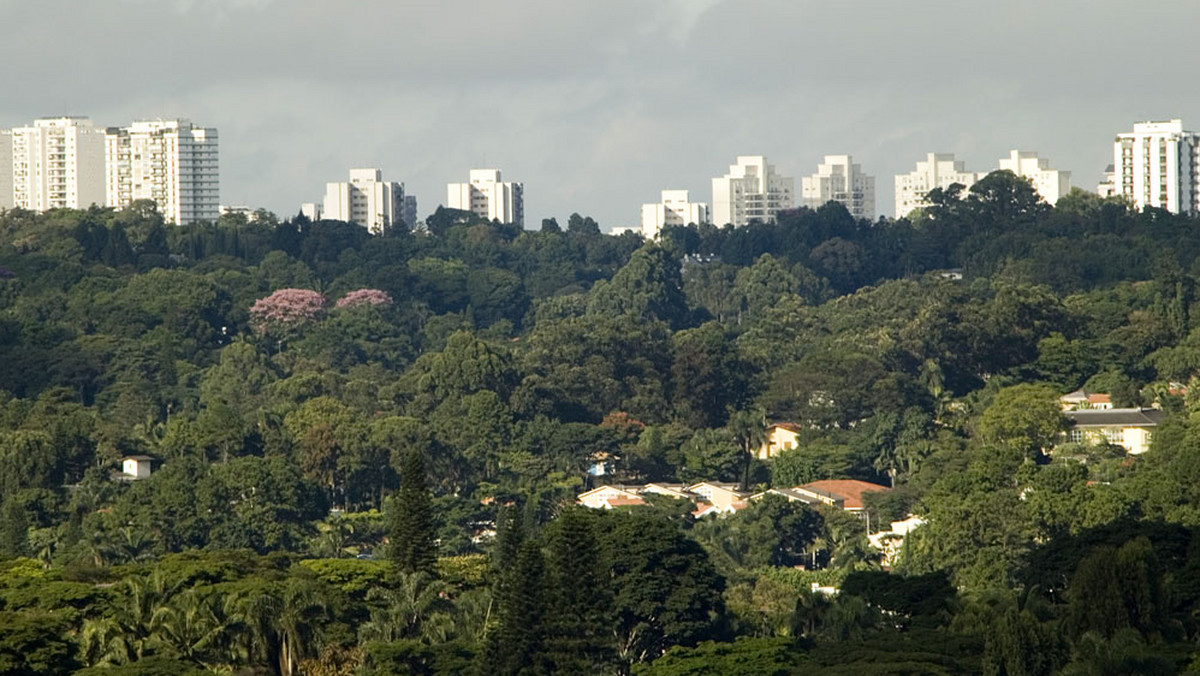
x=126, y=634
x=415, y=608
x=192, y=628
x=282, y=623
x=297, y=625
x=749, y=429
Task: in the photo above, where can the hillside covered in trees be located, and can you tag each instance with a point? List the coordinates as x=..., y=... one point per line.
x=366, y=449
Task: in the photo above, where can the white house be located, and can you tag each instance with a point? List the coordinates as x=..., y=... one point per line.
x=136, y=466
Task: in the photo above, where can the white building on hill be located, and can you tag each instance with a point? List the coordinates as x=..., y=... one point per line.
x=751, y=192
x=1158, y=165
x=1051, y=184
x=55, y=163
x=172, y=162
x=838, y=179
x=938, y=170
x=487, y=196
x=673, y=209
x=366, y=199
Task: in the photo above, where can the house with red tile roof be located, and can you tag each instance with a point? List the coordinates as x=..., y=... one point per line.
x=849, y=491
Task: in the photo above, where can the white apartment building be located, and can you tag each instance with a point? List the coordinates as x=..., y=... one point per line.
x=673, y=209
x=1158, y=165
x=172, y=162
x=750, y=192
x=1107, y=187
x=55, y=163
x=311, y=210
x=1051, y=184
x=365, y=199
x=6, y=165
x=838, y=179
x=938, y=170
x=487, y=196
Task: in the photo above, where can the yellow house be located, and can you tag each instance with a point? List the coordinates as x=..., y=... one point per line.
x=1132, y=428
x=723, y=497
x=780, y=437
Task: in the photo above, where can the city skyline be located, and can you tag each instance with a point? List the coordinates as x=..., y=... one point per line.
x=583, y=105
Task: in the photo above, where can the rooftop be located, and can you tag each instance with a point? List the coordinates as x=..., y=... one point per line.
x=1125, y=417
x=850, y=490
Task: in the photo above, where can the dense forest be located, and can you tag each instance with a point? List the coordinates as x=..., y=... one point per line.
x=367, y=449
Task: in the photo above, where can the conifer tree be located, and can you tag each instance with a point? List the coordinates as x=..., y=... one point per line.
x=578, y=619
x=413, y=546
x=516, y=645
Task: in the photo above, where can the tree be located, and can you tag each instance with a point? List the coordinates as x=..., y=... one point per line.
x=414, y=607
x=413, y=548
x=516, y=644
x=1023, y=418
x=666, y=589
x=648, y=286
x=749, y=430
x=577, y=623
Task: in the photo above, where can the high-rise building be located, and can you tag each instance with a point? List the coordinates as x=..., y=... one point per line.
x=172, y=162
x=673, y=209
x=838, y=179
x=487, y=196
x=751, y=192
x=1158, y=165
x=938, y=170
x=365, y=199
x=1108, y=185
x=56, y=163
x=1051, y=184
x=6, y=166
x=409, y=211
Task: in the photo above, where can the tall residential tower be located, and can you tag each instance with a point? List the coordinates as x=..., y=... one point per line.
x=673, y=209
x=1158, y=165
x=838, y=179
x=56, y=163
x=487, y=196
x=171, y=162
x=1051, y=184
x=750, y=192
x=365, y=199
x=939, y=170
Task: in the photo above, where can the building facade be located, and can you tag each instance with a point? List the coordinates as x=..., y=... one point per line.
x=938, y=170
x=751, y=192
x=838, y=179
x=487, y=196
x=1158, y=165
x=172, y=162
x=6, y=166
x=1051, y=184
x=673, y=209
x=55, y=163
x=366, y=199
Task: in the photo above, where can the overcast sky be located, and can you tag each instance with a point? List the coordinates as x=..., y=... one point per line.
x=597, y=106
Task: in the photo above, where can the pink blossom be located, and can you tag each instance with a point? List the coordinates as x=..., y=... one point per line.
x=287, y=307
x=365, y=297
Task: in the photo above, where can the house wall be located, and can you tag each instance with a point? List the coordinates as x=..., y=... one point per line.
x=779, y=439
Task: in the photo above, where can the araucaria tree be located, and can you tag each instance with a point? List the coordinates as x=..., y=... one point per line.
x=413, y=546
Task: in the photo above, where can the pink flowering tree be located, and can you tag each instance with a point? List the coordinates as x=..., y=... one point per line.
x=373, y=297
x=285, y=311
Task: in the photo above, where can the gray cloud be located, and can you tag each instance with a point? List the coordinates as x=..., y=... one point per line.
x=597, y=106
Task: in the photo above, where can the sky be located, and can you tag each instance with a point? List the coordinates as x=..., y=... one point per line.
x=598, y=105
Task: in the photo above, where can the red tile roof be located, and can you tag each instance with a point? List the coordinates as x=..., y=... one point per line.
x=625, y=502
x=849, y=490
